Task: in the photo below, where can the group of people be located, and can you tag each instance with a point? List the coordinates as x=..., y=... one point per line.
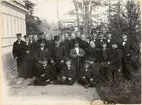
x=69, y=58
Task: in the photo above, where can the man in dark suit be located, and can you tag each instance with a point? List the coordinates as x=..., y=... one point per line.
x=109, y=40
x=68, y=73
x=59, y=55
x=65, y=43
x=115, y=62
x=82, y=42
x=43, y=54
x=126, y=60
x=77, y=54
x=19, y=52
x=86, y=75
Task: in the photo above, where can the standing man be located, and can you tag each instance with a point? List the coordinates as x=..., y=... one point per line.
x=126, y=60
x=109, y=40
x=82, y=42
x=19, y=52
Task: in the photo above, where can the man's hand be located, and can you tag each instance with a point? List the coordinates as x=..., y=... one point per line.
x=84, y=77
x=91, y=79
x=64, y=78
x=108, y=62
x=69, y=79
x=16, y=58
x=42, y=75
x=27, y=52
x=62, y=61
x=47, y=80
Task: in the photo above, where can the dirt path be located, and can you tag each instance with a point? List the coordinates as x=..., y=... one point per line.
x=52, y=94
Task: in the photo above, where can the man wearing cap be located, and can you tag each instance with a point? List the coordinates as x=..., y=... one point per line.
x=59, y=55
x=115, y=62
x=19, y=52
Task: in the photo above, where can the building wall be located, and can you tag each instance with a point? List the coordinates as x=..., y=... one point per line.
x=12, y=22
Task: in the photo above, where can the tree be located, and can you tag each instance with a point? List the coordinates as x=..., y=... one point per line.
x=32, y=22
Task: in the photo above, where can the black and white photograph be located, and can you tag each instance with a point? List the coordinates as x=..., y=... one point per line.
x=70, y=52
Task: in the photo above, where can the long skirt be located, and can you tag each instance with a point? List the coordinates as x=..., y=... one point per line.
x=26, y=69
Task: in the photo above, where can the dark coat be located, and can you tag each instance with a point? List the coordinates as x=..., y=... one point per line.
x=105, y=54
x=28, y=56
x=126, y=49
x=19, y=50
x=35, y=46
x=41, y=55
x=86, y=72
x=66, y=45
x=59, y=53
x=109, y=44
x=91, y=54
x=69, y=72
x=115, y=58
x=99, y=43
x=82, y=44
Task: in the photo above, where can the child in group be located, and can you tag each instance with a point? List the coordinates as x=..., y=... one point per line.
x=44, y=71
x=68, y=73
x=86, y=75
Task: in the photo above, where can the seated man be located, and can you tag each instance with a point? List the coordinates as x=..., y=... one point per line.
x=44, y=76
x=41, y=55
x=86, y=75
x=68, y=74
x=114, y=63
x=77, y=54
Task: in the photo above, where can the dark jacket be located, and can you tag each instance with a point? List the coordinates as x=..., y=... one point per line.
x=59, y=53
x=29, y=47
x=105, y=54
x=19, y=50
x=109, y=44
x=66, y=45
x=41, y=55
x=88, y=73
x=126, y=49
x=69, y=72
x=91, y=54
x=115, y=58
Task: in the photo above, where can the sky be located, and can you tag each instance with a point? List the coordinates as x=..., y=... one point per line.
x=47, y=9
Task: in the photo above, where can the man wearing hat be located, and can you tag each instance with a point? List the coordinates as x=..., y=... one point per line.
x=19, y=52
x=42, y=54
x=77, y=54
x=59, y=55
x=114, y=64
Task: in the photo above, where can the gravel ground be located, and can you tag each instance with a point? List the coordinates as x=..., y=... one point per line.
x=18, y=90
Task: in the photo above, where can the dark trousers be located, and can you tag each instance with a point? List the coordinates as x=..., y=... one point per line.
x=127, y=68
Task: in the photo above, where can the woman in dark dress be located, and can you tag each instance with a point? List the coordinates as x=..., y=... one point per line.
x=28, y=59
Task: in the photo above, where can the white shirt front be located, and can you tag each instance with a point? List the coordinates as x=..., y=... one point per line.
x=77, y=50
x=124, y=42
x=42, y=48
x=108, y=40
